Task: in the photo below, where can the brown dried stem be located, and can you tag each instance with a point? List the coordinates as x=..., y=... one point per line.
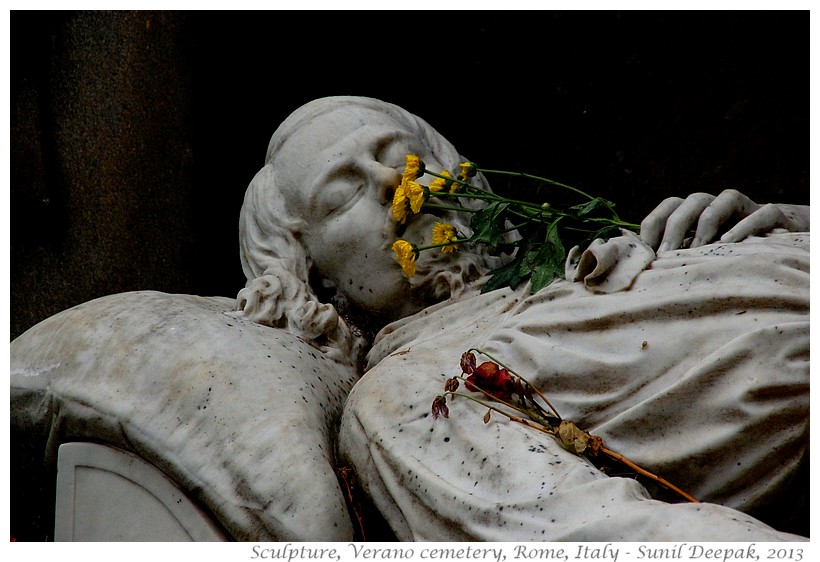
x=662, y=481
x=550, y=430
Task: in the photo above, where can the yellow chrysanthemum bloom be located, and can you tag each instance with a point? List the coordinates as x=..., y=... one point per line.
x=400, y=203
x=443, y=233
x=439, y=184
x=406, y=256
x=413, y=167
x=468, y=170
x=415, y=192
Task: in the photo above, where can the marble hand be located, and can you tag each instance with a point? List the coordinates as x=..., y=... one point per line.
x=666, y=227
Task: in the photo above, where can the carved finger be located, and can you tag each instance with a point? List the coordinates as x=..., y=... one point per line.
x=730, y=203
x=652, y=227
x=682, y=219
x=764, y=219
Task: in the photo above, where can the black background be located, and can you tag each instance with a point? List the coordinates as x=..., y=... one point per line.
x=135, y=134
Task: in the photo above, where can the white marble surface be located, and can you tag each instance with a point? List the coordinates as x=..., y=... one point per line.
x=239, y=415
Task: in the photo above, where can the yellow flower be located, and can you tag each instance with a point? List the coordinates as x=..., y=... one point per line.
x=468, y=170
x=439, y=184
x=443, y=233
x=406, y=256
x=416, y=195
x=413, y=167
x=400, y=203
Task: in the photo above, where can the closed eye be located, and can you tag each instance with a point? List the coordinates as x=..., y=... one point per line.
x=340, y=196
x=338, y=189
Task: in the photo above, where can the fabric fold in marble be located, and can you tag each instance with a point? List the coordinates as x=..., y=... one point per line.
x=607, y=267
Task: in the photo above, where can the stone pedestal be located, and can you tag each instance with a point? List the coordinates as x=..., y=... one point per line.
x=107, y=494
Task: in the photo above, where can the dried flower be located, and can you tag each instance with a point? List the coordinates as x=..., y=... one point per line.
x=493, y=380
x=440, y=407
x=468, y=362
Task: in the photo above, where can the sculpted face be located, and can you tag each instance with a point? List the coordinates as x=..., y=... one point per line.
x=338, y=173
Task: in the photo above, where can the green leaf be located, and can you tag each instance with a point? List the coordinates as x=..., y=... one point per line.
x=544, y=275
x=504, y=276
x=590, y=206
x=548, y=261
x=543, y=263
x=488, y=223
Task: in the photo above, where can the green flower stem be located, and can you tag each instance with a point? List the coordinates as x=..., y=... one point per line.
x=538, y=217
x=448, y=208
x=530, y=211
x=479, y=193
x=515, y=227
x=485, y=196
x=442, y=244
x=611, y=222
x=537, y=212
x=537, y=178
x=538, y=209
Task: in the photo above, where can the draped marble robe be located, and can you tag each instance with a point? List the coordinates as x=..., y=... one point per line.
x=696, y=368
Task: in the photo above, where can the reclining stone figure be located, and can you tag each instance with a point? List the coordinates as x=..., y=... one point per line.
x=690, y=357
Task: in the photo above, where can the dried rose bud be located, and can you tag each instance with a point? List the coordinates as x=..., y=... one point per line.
x=493, y=380
x=440, y=407
x=595, y=445
x=468, y=362
x=487, y=370
x=491, y=375
x=451, y=385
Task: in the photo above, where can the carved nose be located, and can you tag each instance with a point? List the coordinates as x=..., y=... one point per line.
x=386, y=180
x=387, y=176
